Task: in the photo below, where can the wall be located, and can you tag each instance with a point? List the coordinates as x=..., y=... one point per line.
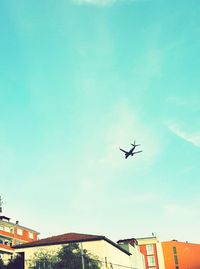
x=157, y=249
x=136, y=258
x=107, y=252
x=10, y=237
x=101, y=248
x=188, y=255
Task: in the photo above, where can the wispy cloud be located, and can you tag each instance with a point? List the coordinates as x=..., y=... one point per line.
x=141, y=198
x=102, y=2
x=127, y=126
x=183, y=211
x=149, y=67
x=95, y=2
x=104, y=162
x=187, y=102
x=193, y=138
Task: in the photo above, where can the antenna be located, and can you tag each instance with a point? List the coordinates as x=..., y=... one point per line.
x=1, y=203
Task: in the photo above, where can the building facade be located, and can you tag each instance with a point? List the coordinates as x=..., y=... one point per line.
x=181, y=255
x=12, y=234
x=151, y=248
x=110, y=254
x=137, y=258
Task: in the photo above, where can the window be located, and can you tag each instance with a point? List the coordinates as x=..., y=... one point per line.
x=30, y=234
x=175, y=259
x=174, y=250
x=18, y=242
x=19, y=231
x=7, y=229
x=151, y=260
x=149, y=249
x=1, y=228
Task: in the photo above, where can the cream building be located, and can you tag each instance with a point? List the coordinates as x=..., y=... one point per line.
x=111, y=255
x=152, y=249
x=136, y=258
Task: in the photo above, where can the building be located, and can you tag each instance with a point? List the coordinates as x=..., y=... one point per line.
x=151, y=248
x=137, y=258
x=181, y=255
x=12, y=234
x=110, y=254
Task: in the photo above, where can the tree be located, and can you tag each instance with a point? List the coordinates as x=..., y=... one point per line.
x=1, y=264
x=15, y=263
x=69, y=257
x=46, y=260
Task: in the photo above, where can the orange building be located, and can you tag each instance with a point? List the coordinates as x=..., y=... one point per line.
x=13, y=234
x=152, y=250
x=181, y=255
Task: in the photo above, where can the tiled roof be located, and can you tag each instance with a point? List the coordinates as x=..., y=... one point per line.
x=60, y=239
x=68, y=238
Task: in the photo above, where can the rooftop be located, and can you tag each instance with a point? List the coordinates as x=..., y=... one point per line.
x=6, y=221
x=131, y=241
x=68, y=238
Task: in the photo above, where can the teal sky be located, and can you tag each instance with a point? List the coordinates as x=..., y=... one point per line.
x=78, y=80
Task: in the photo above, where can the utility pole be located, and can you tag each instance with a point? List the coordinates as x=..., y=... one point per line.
x=82, y=257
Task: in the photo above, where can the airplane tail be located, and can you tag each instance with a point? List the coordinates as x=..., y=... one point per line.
x=135, y=144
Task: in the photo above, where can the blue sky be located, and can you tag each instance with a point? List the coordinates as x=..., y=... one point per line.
x=78, y=80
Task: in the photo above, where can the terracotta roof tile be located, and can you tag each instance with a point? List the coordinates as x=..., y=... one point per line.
x=68, y=238
x=60, y=239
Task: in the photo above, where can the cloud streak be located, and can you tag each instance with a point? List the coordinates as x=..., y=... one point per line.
x=193, y=138
x=182, y=211
x=102, y=2
x=103, y=163
x=95, y=2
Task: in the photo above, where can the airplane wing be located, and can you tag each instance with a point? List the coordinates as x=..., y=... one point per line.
x=137, y=152
x=123, y=150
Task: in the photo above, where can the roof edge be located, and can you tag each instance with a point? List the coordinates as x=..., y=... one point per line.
x=28, y=245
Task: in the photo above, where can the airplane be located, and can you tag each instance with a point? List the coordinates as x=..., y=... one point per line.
x=131, y=151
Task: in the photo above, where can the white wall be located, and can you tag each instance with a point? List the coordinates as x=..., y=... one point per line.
x=160, y=255
x=136, y=258
x=100, y=248
x=108, y=253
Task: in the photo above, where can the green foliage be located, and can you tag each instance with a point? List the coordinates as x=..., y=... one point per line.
x=45, y=260
x=68, y=257
x=1, y=264
x=16, y=263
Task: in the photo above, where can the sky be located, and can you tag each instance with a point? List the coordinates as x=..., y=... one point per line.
x=78, y=80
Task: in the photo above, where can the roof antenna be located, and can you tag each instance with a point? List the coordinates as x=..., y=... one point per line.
x=1, y=203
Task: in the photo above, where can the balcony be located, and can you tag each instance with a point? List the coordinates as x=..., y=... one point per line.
x=6, y=248
x=7, y=234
